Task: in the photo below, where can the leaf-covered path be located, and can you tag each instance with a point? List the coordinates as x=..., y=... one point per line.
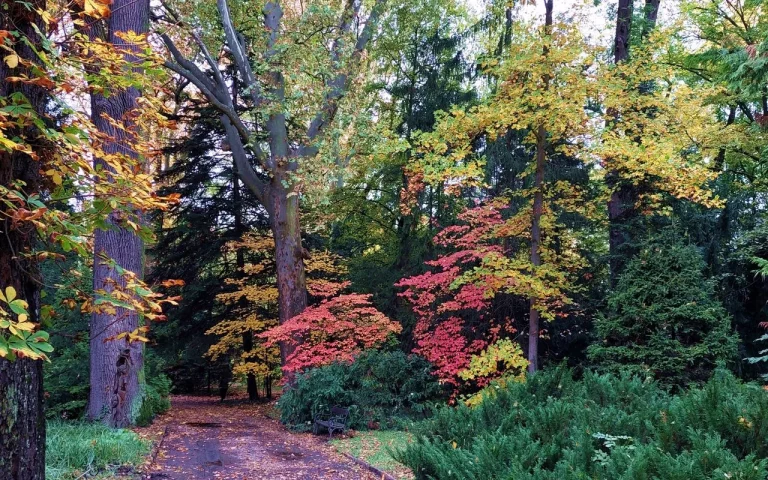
x=206, y=440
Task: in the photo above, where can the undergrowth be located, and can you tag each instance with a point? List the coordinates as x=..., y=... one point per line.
x=85, y=450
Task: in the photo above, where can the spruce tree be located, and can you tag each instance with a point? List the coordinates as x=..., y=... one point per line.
x=663, y=318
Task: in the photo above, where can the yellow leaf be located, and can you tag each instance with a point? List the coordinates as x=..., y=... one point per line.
x=10, y=294
x=56, y=178
x=25, y=326
x=97, y=8
x=12, y=60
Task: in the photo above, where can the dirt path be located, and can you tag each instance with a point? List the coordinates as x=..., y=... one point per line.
x=207, y=440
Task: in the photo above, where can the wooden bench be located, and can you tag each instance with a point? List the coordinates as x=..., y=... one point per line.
x=337, y=420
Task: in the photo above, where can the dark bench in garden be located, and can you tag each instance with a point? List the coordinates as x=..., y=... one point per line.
x=337, y=420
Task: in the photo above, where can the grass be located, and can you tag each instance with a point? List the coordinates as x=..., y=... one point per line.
x=374, y=447
x=76, y=450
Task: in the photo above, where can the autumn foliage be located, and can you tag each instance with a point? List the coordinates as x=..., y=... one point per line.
x=335, y=330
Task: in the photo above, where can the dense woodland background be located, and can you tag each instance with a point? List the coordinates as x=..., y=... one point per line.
x=398, y=206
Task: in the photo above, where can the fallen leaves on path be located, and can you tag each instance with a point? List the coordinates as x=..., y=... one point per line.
x=203, y=439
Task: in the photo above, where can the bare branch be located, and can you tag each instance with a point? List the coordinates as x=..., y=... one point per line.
x=238, y=52
x=244, y=168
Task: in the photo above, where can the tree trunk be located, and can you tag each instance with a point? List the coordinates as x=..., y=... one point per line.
x=289, y=256
x=116, y=366
x=22, y=423
x=621, y=206
x=538, y=210
x=237, y=199
x=623, y=197
x=650, y=14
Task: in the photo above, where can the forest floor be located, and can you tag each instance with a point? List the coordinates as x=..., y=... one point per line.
x=201, y=438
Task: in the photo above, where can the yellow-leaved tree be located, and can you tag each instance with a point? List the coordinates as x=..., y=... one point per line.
x=637, y=118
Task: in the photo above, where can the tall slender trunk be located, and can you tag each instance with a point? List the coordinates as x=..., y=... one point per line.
x=116, y=366
x=621, y=205
x=22, y=423
x=289, y=256
x=538, y=210
x=623, y=196
x=237, y=200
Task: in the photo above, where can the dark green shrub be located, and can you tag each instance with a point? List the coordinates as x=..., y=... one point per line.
x=380, y=388
x=663, y=318
x=601, y=427
x=155, y=400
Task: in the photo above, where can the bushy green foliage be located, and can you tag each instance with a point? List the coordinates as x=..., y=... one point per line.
x=155, y=400
x=379, y=388
x=79, y=450
x=600, y=427
x=663, y=318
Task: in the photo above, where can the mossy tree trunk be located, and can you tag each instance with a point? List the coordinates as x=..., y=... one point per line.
x=22, y=423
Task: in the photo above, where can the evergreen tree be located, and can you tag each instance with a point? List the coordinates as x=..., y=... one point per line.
x=663, y=318
x=191, y=247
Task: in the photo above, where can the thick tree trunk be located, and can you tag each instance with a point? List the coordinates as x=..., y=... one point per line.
x=289, y=256
x=538, y=210
x=116, y=366
x=22, y=423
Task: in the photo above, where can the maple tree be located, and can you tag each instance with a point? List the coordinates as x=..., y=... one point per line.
x=251, y=304
x=544, y=75
x=278, y=88
x=335, y=330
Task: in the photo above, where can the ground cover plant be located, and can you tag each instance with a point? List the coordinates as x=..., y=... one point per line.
x=599, y=427
x=77, y=450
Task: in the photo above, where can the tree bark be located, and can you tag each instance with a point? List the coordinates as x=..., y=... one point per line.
x=623, y=196
x=22, y=423
x=538, y=210
x=116, y=365
x=289, y=256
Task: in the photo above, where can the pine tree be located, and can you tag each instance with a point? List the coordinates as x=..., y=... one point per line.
x=663, y=318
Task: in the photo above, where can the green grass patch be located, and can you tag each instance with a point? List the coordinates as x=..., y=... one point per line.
x=77, y=449
x=375, y=446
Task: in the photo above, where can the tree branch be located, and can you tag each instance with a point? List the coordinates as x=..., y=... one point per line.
x=244, y=167
x=337, y=86
x=238, y=52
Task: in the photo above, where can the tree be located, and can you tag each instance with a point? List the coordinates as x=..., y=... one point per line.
x=283, y=143
x=622, y=211
x=45, y=157
x=249, y=306
x=22, y=423
x=542, y=92
x=193, y=238
x=335, y=330
x=116, y=366
x=663, y=318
